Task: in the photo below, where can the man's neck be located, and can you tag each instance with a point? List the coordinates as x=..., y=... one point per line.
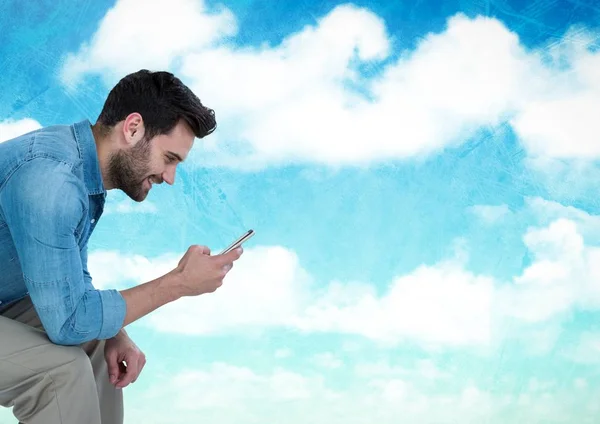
x=102, y=139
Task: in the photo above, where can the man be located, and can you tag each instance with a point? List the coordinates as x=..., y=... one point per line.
x=64, y=354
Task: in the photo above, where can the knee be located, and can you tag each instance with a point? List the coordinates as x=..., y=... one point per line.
x=78, y=361
x=76, y=366
x=66, y=375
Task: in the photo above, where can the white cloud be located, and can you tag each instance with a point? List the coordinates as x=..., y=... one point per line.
x=327, y=360
x=418, y=106
x=137, y=34
x=427, y=369
x=438, y=305
x=266, y=287
x=561, y=121
x=422, y=369
x=391, y=390
x=563, y=275
x=10, y=128
x=442, y=304
x=111, y=269
x=231, y=394
x=234, y=392
x=280, y=385
x=547, y=211
x=294, y=99
x=228, y=394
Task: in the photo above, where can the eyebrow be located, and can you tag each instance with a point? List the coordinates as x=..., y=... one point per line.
x=179, y=158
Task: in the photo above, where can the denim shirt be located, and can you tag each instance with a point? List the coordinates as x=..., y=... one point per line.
x=51, y=197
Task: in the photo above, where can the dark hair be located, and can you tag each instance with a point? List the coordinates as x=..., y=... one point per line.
x=162, y=100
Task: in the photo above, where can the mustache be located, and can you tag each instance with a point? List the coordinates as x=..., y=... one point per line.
x=155, y=179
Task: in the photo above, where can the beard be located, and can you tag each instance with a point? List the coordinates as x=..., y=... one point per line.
x=128, y=170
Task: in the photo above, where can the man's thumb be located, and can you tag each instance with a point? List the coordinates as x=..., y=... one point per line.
x=235, y=253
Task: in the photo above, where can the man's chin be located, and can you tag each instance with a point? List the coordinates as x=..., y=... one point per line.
x=141, y=197
x=138, y=196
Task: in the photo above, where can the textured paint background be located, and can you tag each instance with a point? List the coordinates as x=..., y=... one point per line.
x=422, y=179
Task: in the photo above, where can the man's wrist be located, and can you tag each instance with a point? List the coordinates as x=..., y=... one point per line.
x=169, y=286
x=121, y=334
x=147, y=297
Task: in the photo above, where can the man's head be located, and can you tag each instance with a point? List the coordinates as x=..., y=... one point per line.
x=150, y=120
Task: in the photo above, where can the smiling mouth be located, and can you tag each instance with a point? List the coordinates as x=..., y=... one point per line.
x=151, y=181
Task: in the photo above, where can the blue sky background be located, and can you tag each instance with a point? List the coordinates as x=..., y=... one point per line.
x=422, y=181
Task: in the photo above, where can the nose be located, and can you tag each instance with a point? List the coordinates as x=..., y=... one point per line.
x=169, y=175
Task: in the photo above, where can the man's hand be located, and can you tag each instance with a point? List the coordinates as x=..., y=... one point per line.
x=121, y=349
x=198, y=272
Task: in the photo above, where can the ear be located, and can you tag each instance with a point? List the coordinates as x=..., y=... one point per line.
x=133, y=128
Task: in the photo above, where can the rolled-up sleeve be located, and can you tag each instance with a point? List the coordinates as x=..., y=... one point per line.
x=113, y=304
x=45, y=205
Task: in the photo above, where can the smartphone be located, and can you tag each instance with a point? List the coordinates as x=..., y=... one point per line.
x=238, y=242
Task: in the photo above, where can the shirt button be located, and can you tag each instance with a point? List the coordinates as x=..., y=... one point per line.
x=93, y=220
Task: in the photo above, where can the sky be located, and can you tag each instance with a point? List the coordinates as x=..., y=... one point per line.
x=422, y=180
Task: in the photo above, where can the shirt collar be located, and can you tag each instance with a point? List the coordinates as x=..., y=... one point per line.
x=91, y=166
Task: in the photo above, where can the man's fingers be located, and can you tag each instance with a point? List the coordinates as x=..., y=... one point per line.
x=113, y=367
x=204, y=249
x=131, y=373
x=229, y=257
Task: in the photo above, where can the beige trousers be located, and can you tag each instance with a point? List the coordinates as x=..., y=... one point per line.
x=47, y=383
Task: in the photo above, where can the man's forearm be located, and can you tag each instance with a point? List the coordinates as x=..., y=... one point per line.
x=145, y=298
